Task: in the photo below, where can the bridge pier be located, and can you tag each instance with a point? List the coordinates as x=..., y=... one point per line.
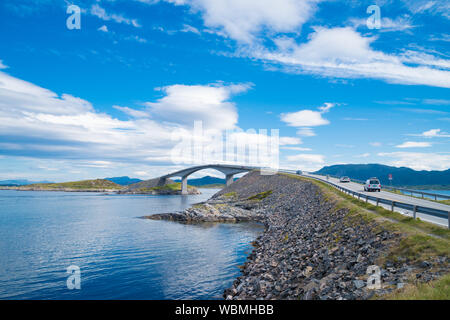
x=229, y=179
x=184, y=188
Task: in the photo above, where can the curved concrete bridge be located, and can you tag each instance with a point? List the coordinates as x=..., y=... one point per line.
x=228, y=170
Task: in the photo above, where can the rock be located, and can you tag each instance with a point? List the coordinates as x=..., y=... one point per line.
x=359, y=284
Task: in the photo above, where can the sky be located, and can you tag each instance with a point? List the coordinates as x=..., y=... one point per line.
x=118, y=95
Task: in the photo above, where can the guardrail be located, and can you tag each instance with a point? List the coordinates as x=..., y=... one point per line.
x=393, y=204
x=403, y=190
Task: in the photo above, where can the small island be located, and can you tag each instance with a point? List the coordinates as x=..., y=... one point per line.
x=153, y=187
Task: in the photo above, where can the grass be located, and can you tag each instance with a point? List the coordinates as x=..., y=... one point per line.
x=260, y=196
x=176, y=186
x=77, y=185
x=419, y=240
x=230, y=195
x=434, y=290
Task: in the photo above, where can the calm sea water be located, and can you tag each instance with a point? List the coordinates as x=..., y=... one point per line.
x=443, y=192
x=120, y=256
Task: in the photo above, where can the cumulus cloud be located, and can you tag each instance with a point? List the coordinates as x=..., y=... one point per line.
x=418, y=161
x=209, y=104
x=307, y=118
x=304, y=161
x=243, y=20
x=36, y=122
x=414, y=144
x=433, y=133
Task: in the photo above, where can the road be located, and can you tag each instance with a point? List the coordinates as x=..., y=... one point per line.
x=353, y=186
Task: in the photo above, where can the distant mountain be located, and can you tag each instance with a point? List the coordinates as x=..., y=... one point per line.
x=402, y=176
x=20, y=182
x=207, y=180
x=124, y=181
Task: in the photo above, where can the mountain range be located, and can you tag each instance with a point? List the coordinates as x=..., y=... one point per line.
x=124, y=181
x=401, y=176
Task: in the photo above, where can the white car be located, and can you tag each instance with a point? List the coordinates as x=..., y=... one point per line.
x=372, y=184
x=344, y=179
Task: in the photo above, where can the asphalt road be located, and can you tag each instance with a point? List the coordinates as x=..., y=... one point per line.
x=353, y=186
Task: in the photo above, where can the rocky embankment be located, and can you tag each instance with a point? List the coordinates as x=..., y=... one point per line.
x=310, y=249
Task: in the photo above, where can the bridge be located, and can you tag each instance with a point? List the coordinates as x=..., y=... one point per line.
x=434, y=212
x=228, y=170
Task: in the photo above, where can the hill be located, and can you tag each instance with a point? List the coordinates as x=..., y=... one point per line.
x=206, y=181
x=20, y=182
x=124, y=181
x=98, y=185
x=157, y=186
x=402, y=176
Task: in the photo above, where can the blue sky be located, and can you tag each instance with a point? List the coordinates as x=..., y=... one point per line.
x=105, y=100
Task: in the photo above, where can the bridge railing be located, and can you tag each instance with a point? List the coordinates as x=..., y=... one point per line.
x=393, y=204
x=405, y=191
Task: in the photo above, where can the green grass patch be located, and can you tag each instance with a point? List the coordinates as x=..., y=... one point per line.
x=260, y=196
x=434, y=290
x=230, y=195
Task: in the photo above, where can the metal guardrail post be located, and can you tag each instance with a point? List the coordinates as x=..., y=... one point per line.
x=415, y=212
x=378, y=201
x=392, y=206
x=367, y=198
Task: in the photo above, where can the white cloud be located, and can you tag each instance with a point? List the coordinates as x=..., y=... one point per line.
x=316, y=158
x=304, y=118
x=429, y=6
x=46, y=125
x=296, y=148
x=402, y=23
x=210, y=104
x=306, y=132
x=101, y=13
x=419, y=161
x=307, y=118
x=188, y=28
x=375, y=144
x=289, y=141
x=242, y=20
x=2, y=65
x=414, y=144
x=325, y=54
x=103, y=28
x=304, y=161
x=363, y=155
x=433, y=133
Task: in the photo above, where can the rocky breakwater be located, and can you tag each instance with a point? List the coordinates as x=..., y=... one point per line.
x=311, y=248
